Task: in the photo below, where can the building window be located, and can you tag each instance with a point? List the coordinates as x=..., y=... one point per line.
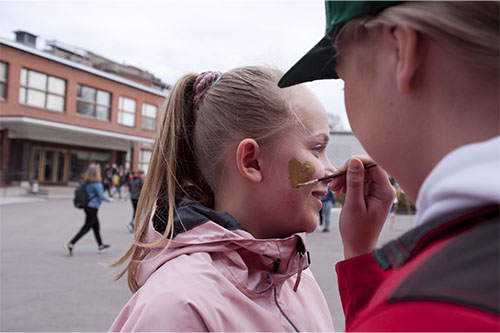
x=126, y=111
x=42, y=90
x=144, y=158
x=149, y=116
x=93, y=102
x=3, y=81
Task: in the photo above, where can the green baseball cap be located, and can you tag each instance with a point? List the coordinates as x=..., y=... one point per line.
x=319, y=62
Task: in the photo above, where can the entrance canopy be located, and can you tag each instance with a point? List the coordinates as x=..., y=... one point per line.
x=50, y=131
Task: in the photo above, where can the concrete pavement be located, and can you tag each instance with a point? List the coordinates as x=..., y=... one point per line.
x=42, y=289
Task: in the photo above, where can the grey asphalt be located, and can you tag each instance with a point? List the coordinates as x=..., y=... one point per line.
x=42, y=289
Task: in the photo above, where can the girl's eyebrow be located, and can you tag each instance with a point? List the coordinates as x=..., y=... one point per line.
x=321, y=136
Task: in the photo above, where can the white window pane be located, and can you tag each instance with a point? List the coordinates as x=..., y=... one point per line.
x=22, y=96
x=129, y=105
x=128, y=119
x=102, y=112
x=144, y=167
x=36, y=98
x=37, y=80
x=56, y=85
x=24, y=74
x=3, y=71
x=120, y=117
x=55, y=103
x=149, y=110
x=152, y=111
x=145, y=156
x=103, y=98
x=148, y=123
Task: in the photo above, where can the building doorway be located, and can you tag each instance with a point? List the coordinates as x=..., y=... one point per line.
x=48, y=165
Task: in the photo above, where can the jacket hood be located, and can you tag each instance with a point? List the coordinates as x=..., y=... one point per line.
x=201, y=229
x=466, y=178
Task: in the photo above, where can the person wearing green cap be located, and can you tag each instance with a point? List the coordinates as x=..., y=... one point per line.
x=422, y=96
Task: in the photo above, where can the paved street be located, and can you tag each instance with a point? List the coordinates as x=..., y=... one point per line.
x=42, y=289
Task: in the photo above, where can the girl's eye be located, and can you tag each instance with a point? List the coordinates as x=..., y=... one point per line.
x=319, y=148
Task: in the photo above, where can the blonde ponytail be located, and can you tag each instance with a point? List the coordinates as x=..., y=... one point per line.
x=172, y=169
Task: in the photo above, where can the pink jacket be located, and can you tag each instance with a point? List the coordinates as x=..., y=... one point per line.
x=218, y=277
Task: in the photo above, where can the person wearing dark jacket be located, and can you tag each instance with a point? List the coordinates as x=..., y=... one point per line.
x=135, y=187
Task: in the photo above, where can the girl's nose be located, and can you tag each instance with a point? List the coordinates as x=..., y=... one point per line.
x=329, y=168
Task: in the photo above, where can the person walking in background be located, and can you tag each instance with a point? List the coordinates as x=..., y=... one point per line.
x=422, y=90
x=135, y=187
x=320, y=218
x=95, y=192
x=107, y=179
x=127, y=177
x=326, y=209
x=118, y=179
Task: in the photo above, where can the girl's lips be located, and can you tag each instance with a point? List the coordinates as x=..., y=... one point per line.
x=317, y=195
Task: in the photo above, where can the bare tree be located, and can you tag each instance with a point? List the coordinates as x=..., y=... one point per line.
x=335, y=123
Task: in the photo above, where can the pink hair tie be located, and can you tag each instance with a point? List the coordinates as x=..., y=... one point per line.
x=202, y=83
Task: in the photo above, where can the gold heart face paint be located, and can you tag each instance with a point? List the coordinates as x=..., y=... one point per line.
x=299, y=173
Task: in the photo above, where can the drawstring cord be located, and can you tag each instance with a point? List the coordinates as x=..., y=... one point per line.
x=276, y=264
x=283, y=313
x=268, y=276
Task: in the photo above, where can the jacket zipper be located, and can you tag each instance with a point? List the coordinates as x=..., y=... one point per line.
x=281, y=310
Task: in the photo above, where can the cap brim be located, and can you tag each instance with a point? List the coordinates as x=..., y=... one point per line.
x=317, y=64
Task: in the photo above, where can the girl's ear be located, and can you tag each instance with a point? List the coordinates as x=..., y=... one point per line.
x=247, y=162
x=408, y=56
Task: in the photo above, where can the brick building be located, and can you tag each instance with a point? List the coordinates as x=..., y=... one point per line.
x=63, y=108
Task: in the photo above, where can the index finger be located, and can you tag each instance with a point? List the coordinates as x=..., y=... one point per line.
x=376, y=174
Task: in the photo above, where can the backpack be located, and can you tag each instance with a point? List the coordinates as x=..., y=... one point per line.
x=81, y=198
x=116, y=180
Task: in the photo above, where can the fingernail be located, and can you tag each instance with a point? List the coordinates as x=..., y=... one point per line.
x=354, y=165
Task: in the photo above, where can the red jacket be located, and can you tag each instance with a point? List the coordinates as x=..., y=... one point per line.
x=440, y=276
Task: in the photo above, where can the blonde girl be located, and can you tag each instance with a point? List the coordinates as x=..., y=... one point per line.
x=422, y=96
x=220, y=226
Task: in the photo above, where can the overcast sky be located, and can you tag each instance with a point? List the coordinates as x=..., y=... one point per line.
x=172, y=37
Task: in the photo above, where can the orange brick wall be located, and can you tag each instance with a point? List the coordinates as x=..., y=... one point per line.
x=17, y=59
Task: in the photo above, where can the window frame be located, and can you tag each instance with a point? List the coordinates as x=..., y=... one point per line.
x=93, y=103
x=144, y=165
x=46, y=92
x=147, y=117
x=4, y=81
x=121, y=111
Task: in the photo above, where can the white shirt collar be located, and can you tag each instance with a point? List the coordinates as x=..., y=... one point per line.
x=467, y=177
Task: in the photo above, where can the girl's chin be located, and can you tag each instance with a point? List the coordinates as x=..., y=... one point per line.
x=312, y=225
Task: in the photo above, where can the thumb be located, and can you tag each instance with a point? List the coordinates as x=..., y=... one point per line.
x=355, y=180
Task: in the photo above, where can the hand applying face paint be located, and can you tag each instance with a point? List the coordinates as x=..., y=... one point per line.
x=369, y=196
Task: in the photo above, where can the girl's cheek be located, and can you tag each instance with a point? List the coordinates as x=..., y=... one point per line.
x=320, y=170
